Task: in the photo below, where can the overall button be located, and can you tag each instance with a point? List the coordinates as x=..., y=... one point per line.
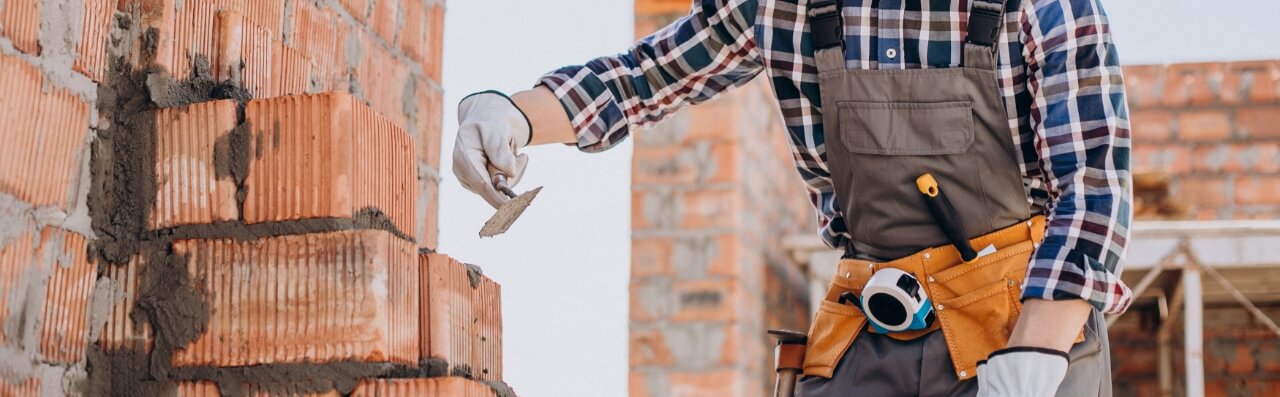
x=891, y=53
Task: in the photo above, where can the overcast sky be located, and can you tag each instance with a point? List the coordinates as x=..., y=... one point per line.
x=564, y=266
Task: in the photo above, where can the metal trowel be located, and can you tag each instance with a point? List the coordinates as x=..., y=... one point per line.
x=509, y=212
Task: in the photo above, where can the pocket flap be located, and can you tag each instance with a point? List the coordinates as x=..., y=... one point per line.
x=903, y=128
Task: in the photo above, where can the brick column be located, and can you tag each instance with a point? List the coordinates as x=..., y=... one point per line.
x=713, y=192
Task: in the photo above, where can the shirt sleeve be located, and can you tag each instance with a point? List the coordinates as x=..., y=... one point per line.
x=687, y=62
x=1081, y=121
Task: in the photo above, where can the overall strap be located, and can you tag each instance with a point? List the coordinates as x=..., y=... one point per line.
x=827, y=27
x=985, y=20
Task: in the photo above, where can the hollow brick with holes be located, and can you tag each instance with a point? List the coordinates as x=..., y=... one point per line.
x=190, y=187
x=313, y=298
x=327, y=155
x=461, y=318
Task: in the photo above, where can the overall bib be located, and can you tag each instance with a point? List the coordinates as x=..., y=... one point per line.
x=883, y=129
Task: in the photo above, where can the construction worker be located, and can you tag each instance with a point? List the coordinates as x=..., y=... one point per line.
x=971, y=154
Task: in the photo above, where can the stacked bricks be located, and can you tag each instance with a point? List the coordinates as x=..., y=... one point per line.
x=712, y=188
x=1241, y=355
x=277, y=165
x=47, y=277
x=1214, y=129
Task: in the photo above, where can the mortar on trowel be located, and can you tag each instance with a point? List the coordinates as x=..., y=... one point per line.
x=510, y=211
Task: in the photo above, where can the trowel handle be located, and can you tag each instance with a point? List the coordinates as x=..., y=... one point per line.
x=500, y=183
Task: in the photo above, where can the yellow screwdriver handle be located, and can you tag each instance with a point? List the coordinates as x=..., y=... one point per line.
x=927, y=185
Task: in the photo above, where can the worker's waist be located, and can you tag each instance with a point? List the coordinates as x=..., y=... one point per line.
x=936, y=259
x=933, y=260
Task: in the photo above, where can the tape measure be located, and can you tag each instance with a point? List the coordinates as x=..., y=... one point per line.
x=894, y=301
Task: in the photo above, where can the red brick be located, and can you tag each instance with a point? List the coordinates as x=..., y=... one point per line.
x=1151, y=126
x=189, y=189
x=307, y=298
x=1188, y=84
x=265, y=13
x=1259, y=157
x=1144, y=85
x=47, y=277
x=428, y=120
x=21, y=21
x=433, y=387
x=711, y=209
x=413, y=34
x=430, y=232
x=64, y=331
x=319, y=156
x=651, y=256
x=98, y=16
x=243, y=53
x=384, y=18
x=192, y=37
x=1202, y=192
x=649, y=348
x=462, y=319
x=383, y=78
x=44, y=136
x=290, y=71
x=1264, y=79
x=1166, y=158
x=1258, y=190
x=638, y=384
x=723, y=382
x=689, y=164
x=28, y=388
x=319, y=35
x=715, y=120
x=1259, y=121
x=16, y=255
x=120, y=331
x=357, y=8
x=435, y=37
x=707, y=300
x=1204, y=125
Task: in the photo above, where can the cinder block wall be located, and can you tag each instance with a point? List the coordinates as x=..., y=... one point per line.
x=713, y=192
x=230, y=197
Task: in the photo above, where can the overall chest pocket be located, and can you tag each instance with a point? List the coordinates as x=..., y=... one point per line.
x=880, y=150
x=907, y=129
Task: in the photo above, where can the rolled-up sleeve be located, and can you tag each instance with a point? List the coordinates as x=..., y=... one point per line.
x=689, y=61
x=1081, y=122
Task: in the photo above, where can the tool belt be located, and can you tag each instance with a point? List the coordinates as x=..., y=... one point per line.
x=977, y=303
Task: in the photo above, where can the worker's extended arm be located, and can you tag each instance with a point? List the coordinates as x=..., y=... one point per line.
x=1081, y=122
x=599, y=104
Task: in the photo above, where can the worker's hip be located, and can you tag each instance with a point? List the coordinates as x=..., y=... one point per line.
x=974, y=304
x=879, y=365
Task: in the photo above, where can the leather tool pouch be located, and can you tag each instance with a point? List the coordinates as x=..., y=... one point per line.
x=977, y=303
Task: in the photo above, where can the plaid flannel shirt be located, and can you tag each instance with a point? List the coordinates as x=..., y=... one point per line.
x=1057, y=69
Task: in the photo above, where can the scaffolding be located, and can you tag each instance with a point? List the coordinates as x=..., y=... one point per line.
x=1241, y=258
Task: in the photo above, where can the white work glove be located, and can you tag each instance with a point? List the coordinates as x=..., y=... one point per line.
x=490, y=130
x=1022, y=372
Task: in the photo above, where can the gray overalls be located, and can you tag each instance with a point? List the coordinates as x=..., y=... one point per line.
x=884, y=128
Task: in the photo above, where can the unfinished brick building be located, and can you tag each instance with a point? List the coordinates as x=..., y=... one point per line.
x=230, y=197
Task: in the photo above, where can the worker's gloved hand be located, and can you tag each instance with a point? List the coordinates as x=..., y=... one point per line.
x=490, y=130
x=1022, y=372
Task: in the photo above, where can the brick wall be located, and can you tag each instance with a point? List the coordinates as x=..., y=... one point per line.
x=1214, y=128
x=230, y=197
x=712, y=192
